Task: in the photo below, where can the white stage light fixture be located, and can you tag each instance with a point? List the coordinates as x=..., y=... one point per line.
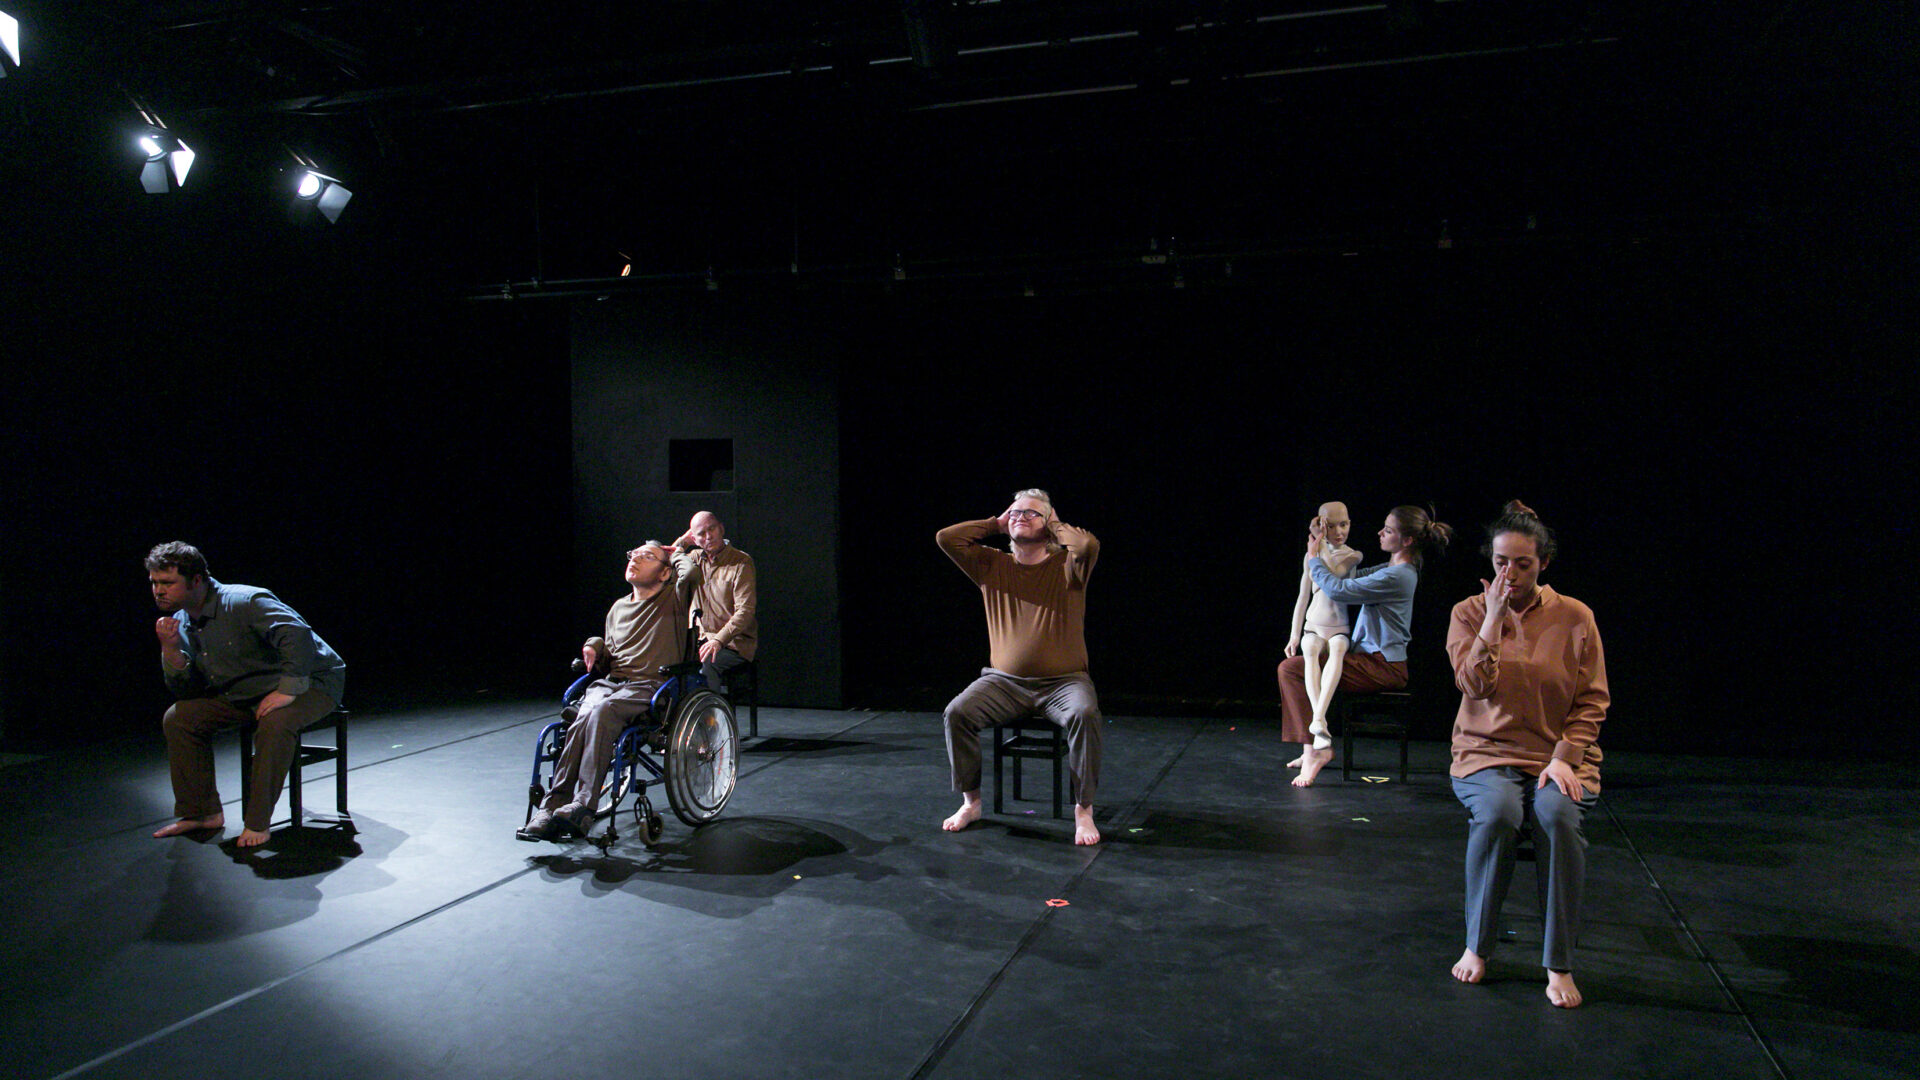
x=9, y=44
x=167, y=164
x=324, y=192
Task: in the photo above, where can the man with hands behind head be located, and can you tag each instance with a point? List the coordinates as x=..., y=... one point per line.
x=1036, y=601
x=728, y=599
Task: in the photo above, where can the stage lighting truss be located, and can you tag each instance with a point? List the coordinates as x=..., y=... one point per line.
x=168, y=160
x=9, y=44
x=327, y=194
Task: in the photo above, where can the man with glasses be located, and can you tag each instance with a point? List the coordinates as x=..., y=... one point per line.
x=646, y=630
x=1036, y=604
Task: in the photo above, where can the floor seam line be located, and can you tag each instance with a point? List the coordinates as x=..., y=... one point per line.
x=791, y=754
x=1700, y=951
x=351, y=769
x=271, y=984
x=965, y=1020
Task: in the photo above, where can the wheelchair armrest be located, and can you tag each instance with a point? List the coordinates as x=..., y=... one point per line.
x=691, y=667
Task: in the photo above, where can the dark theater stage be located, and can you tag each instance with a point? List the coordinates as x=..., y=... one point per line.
x=844, y=274
x=1744, y=921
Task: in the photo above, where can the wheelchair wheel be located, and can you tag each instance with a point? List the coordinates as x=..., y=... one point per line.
x=700, y=761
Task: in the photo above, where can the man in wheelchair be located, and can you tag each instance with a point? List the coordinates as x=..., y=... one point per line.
x=645, y=631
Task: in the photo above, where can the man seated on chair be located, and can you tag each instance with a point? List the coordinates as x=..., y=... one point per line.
x=728, y=597
x=646, y=630
x=1036, y=604
x=233, y=654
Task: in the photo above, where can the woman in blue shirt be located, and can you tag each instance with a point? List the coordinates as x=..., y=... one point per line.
x=1377, y=659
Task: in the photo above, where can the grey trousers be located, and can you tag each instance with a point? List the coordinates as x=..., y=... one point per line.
x=189, y=726
x=715, y=670
x=606, y=708
x=1497, y=801
x=1066, y=701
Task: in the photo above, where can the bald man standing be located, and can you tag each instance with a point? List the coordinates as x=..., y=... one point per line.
x=728, y=598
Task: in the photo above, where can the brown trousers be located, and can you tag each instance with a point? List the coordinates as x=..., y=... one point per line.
x=1362, y=673
x=189, y=726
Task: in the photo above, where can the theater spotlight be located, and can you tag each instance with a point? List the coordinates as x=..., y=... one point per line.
x=9, y=44
x=324, y=192
x=168, y=160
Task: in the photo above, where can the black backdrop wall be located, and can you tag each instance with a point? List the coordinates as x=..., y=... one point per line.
x=1717, y=419
x=1703, y=425
x=1716, y=431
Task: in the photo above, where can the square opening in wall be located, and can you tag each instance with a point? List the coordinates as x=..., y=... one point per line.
x=699, y=464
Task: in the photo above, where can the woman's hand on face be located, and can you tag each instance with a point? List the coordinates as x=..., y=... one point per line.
x=1561, y=775
x=1496, y=594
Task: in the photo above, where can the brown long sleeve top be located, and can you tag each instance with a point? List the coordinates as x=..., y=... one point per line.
x=1036, y=614
x=1539, y=694
x=642, y=636
x=729, y=600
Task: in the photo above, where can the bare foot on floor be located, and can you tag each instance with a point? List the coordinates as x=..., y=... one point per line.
x=1471, y=967
x=1561, y=991
x=252, y=837
x=968, y=813
x=187, y=825
x=1295, y=763
x=1084, y=830
x=1311, y=763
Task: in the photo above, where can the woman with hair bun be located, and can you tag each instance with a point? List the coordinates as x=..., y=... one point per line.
x=1533, y=686
x=1377, y=659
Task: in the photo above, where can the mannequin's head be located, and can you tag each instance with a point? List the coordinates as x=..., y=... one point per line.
x=1335, y=523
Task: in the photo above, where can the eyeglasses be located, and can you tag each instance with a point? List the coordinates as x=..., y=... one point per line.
x=642, y=553
x=1024, y=515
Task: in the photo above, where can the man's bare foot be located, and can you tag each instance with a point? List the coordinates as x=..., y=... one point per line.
x=1471, y=967
x=251, y=838
x=1295, y=763
x=1311, y=763
x=968, y=813
x=1084, y=830
x=187, y=825
x=1560, y=989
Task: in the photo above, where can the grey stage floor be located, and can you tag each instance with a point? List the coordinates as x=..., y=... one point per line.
x=1745, y=919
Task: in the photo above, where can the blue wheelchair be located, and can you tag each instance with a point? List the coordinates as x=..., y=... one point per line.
x=687, y=724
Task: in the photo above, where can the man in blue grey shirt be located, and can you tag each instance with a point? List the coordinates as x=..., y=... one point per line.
x=232, y=654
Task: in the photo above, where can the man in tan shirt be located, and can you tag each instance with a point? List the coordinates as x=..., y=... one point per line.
x=727, y=601
x=645, y=630
x=1036, y=604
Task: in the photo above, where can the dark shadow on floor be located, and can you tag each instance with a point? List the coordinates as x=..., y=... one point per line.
x=749, y=857
x=200, y=904
x=1876, y=985
x=778, y=744
x=1226, y=832
x=297, y=853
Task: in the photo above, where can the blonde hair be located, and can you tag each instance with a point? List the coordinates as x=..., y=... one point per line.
x=1036, y=493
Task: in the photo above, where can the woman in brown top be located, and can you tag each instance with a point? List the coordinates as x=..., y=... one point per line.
x=1533, y=684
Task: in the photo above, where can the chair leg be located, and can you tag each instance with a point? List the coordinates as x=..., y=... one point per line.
x=1059, y=751
x=1403, y=752
x=999, y=775
x=340, y=771
x=246, y=766
x=293, y=779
